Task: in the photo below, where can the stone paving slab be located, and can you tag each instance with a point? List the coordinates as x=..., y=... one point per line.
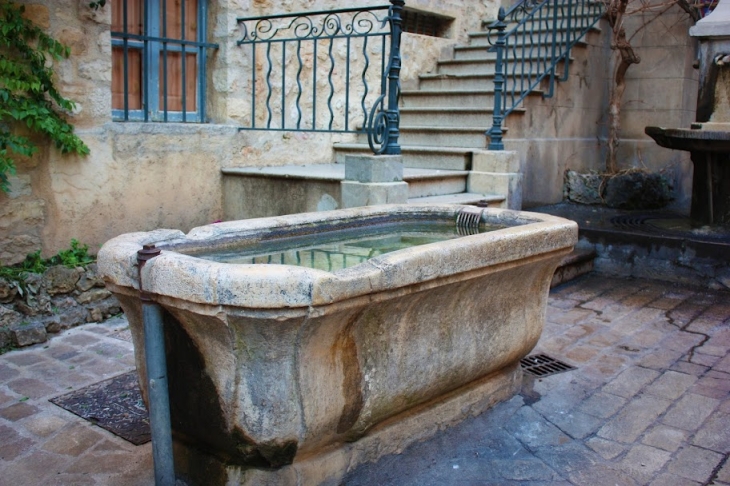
x=43, y=444
x=648, y=403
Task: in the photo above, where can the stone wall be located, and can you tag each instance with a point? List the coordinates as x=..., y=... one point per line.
x=45, y=304
x=569, y=130
x=141, y=176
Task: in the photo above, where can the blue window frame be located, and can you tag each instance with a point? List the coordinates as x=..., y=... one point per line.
x=159, y=60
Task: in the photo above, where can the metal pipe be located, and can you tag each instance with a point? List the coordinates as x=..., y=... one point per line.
x=495, y=133
x=156, y=361
x=392, y=147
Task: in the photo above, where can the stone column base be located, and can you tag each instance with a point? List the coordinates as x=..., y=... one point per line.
x=354, y=194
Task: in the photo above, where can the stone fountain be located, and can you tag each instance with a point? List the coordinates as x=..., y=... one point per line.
x=708, y=139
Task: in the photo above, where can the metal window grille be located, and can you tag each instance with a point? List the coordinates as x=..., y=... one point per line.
x=159, y=60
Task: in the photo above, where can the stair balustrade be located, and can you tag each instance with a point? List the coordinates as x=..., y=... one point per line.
x=315, y=72
x=530, y=40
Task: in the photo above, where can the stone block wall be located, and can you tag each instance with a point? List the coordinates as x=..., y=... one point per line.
x=58, y=299
x=141, y=176
x=569, y=130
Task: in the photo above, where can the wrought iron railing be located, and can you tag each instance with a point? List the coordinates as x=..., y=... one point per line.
x=317, y=72
x=530, y=40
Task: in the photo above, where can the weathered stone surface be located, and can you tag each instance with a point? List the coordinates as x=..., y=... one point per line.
x=583, y=188
x=638, y=190
x=8, y=291
x=92, y=296
x=89, y=279
x=383, y=355
x=52, y=324
x=38, y=14
x=60, y=279
x=9, y=317
x=5, y=339
x=25, y=334
x=371, y=168
x=73, y=317
x=103, y=309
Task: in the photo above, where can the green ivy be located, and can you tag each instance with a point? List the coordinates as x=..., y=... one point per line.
x=75, y=256
x=28, y=95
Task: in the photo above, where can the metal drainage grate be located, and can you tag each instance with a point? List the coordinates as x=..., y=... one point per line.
x=541, y=365
x=115, y=405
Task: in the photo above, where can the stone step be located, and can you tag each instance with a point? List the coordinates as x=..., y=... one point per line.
x=493, y=200
x=466, y=67
x=578, y=262
x=482, y=38
x=444, y=136
x=423, y=98
x=474, y=98
x=422, y=157
x=430, y=182
x=456, y=81
x=440, y=136
x=477, y=51
x=449, y=117
x=485, y=64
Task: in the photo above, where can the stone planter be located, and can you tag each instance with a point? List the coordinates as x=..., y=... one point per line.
x=633, y=189
x=284, y=375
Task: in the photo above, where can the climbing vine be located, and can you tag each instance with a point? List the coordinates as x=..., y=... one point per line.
x=28, y=95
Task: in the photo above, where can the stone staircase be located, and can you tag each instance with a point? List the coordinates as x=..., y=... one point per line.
x=443, y=140
x=442, y=129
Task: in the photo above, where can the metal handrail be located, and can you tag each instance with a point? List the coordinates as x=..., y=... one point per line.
x=539, y=35
x=305, y=49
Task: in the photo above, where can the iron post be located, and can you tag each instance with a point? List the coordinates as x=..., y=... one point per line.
x=156, y=361
x=393, y=112
x=495, y=133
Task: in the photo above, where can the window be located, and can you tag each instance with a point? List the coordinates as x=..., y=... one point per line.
x=158, y=60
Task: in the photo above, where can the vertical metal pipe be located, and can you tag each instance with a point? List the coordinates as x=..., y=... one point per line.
x=202, y=62
x=347, y=86
x=164, y=58
x=283, y=85
x=314, y=87
x=393, y=112
x=183, y=58
x=253, y=85
x=495, y=133
x=156, y=361
x=125, y=60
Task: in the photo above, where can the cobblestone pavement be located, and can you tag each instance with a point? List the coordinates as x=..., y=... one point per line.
x=648, y=403
x=43, y=444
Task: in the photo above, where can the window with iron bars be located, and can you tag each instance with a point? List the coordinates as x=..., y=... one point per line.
x=159, y=60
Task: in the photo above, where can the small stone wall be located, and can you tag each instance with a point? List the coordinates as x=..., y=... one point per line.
x=58, y=299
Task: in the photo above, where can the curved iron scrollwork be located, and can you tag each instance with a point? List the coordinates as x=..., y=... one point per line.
x=325, y=58
x=315, y=25
x=377, y=128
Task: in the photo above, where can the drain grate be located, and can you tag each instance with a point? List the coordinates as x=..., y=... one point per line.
x=541, y=365
x=115, y=405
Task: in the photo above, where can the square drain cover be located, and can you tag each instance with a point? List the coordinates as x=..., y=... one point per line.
x=115, y=405
x=542, y=365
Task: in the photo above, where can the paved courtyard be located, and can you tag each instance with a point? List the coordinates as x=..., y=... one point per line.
x=648, y=403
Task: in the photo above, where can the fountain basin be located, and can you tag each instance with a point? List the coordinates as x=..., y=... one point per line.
x=691, y=140
x=292, y=375
x=710, y=154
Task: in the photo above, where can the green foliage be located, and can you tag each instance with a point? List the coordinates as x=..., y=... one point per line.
x=28, y=95
x=75, y=256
